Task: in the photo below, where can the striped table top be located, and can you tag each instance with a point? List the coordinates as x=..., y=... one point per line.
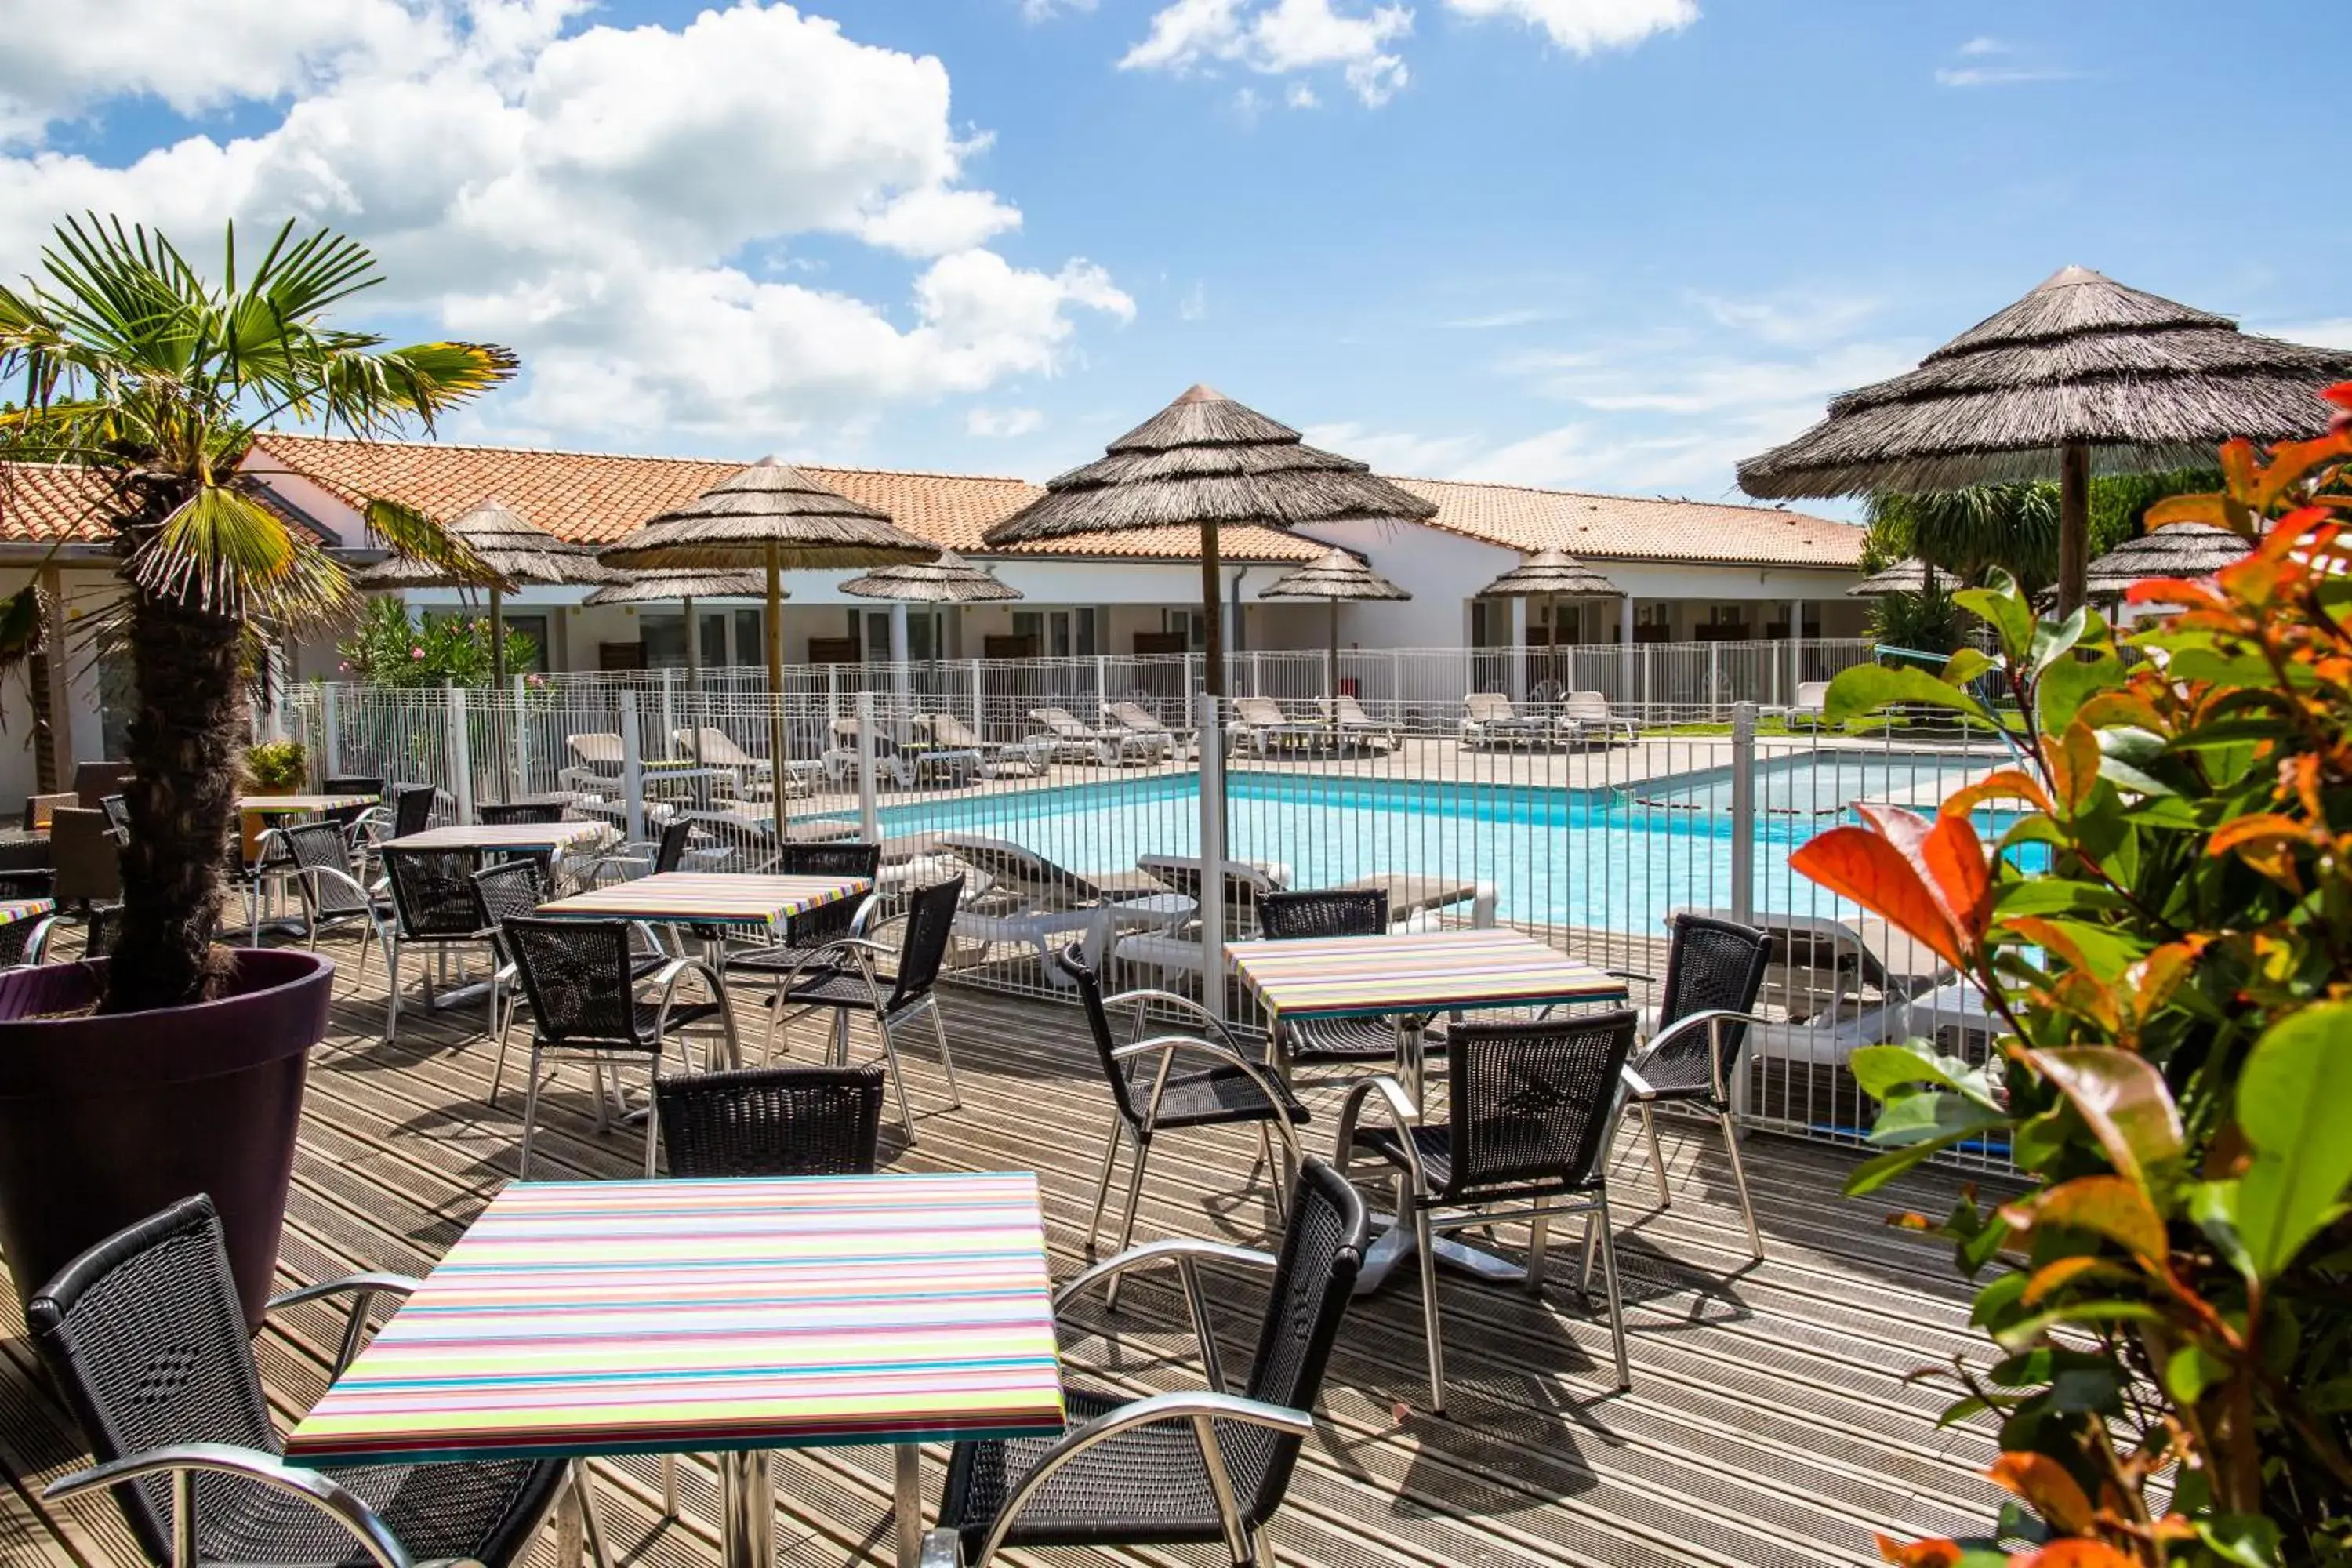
x=265, y=805
x=710, y=897
x=1415, y=972
x=14, y=910
x=548, y=836
x=578, y=1318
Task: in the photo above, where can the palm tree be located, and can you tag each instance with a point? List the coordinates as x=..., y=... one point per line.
x=1965, y=534
x=124, y=359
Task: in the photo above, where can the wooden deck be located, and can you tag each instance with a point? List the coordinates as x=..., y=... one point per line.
x=1770, y=1422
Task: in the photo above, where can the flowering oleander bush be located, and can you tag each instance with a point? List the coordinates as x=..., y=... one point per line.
x=391, y=647
x=2170, y=1299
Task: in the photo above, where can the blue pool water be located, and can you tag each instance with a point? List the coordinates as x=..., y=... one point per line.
x=1602, y=859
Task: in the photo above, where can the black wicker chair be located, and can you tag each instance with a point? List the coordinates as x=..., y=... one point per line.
x=26, y=941
x=1528, y=1123
x=144, y=1335
x=116, y=810
x=581, y=980
x=804, y=934
x=840, y=978
x=434, y=906
x=1336, y=912
x=1203, y=1467
x=519, y=887
x=103, y=931
x=637, y=858
x=772, y=1121
x=412, y=808
x=1714, y=971
x=352, y=784
x=333, y=897
x=1152, y=1091
x=500, y=814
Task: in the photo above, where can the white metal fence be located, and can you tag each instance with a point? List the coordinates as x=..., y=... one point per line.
x=1588, y=827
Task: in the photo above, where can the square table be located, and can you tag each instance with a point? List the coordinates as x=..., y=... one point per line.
x=298, y=804
x=1412, y=976
x=14, y=910
x=513, y=837
x=723, y=902
x=736, y=1316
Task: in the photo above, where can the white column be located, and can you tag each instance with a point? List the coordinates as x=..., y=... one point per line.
x=901, y=683
x=1796, y=646
x=1519, y=649
x=1625, y=650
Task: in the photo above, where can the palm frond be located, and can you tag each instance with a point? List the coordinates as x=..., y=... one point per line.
x=230, y=555
x=410, y=533
x=367, y=392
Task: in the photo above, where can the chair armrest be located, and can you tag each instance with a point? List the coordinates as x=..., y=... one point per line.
x=1630, y=974
x=363, y=1288
x=677, y=969
x=1182, y=1004
x=858, y=948
x=1188, y=1254
x=1166, y=1046
x=1401, y=1110
x=1712, y=1021
x=1203, y=1410
x=185, y=1461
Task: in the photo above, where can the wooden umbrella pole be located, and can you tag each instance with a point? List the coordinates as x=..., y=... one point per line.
x=2074, y=525
x=1334, y=704
x=776, y=774
x=498, y=689
x=1212, y=616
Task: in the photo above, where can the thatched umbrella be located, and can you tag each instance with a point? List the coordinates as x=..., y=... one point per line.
x=1333, y=575
x=769, y=515
x=684, y=585
x=2082, y=375
x=1207, y=462
x=1908, y=575
x=2189, y=549
x=1549, y=575
x=519, y=552
x=950, y=579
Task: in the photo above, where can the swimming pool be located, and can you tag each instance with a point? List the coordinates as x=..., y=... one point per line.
x=1603, y=859
x=1825, y=783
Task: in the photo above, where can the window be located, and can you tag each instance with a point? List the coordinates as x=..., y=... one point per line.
x=750, y=646
x=664, y=636
x=1062, y=633
x=1190, y=624
x=714, y=635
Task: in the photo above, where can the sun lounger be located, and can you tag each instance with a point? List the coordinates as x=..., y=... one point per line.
x=998, y=759
x=1073, y=741
x=1826, y=963
x=754, y=776
x=1032, y=902
x=1415, y=903
x=1586, y=713
x=1356, y=727
x=1811, y=703
x=1489, y=720
x=893, y=763
x=596, y=762
x=1260, y=725
x=1141, y=723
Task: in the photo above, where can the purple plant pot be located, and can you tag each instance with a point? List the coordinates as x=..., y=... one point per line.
x=104, y=1120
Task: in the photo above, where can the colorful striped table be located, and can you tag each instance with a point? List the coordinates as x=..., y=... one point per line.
x=286, y=804
x=735, y=901
x=14, y=910
x=1415, y=972
x=544, y=837
x=583, y=1317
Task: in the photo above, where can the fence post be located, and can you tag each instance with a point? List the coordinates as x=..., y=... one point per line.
x=1743, y=813
x=461, y=757
x=518, y=744
x=632, y=769
x=1102, y=684
x=869, y=813
x=669, y=710
x=1212, y=858
x=979, y=704
x=832, y=692
x=331, y=742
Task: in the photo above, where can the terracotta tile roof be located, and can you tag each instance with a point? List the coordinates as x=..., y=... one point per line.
x=1636, y=527
x=42, y=503
x=595, y=497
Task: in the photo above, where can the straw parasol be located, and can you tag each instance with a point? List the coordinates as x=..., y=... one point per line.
x=769, y=515
x=2189, y=550
x=1207, y=462
x=950, y=579
x=684, y=584
x=519, y=552
x=1908, y=575
x=1333, y=575
x=2082, y=375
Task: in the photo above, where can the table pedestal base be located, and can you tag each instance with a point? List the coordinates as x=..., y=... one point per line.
x=1395, y=1246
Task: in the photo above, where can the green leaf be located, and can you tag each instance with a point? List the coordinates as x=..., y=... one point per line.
x=2063, y=689
x=2055, y=896
x=2189, y=1372
x=2053, y=640
x=2102, y=1311
x=2214, y=1206
x=2122, y=1099
x=2246, y=1540
x=2003, y=607
x=1875, y=1172
x=1881, y=1069
x=1966, y=663
x=1909, y=1118
x=2294, y=1105
x=1869, y=687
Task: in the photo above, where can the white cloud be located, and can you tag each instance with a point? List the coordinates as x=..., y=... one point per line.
x=1005, y=423
x=1279, y=38
x=2334, y=333
x=1984, y=47
x=615, y=202
x=1301, y=96
x=2004, y=64
x=1588, y=27
x=1195, y=306
x=1047, y=10
x=1394, y=452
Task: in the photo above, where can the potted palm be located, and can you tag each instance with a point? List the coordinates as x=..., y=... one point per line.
x=178, y=1065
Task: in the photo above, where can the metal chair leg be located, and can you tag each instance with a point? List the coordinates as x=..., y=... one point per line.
x=592, y=1529
x=1657, y=1160
x=1127, y=1220
x=1584, y=1275
x=1425, y=1243
x=1102, y=1179
x=1616, y=1302
x=898, y=1084
x=947, y=1060
x=1538, y=1233
x=392, y=991
x=1739, y=1181
x=530, y=1116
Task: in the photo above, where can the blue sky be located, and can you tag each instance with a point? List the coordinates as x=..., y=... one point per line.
x=1604, y=244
